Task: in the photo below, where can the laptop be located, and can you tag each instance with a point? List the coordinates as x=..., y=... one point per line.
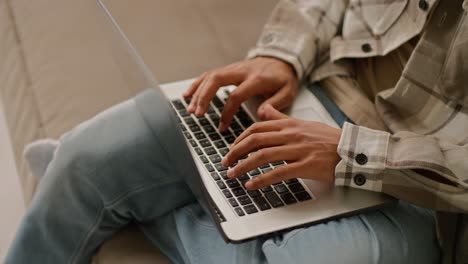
x=239, y=214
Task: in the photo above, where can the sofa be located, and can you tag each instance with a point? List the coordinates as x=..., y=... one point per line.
x=57, y=69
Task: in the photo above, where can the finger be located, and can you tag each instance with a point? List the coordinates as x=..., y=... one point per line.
x=193, y=104
x=270, y=113
x=280, y=100
x=260, y=127
x=193, y=87
x=252, y=143
x=264, y=156
x=286, y=172
x=213, y=82
x=236, y=98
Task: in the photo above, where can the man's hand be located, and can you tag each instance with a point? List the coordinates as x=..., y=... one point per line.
x=272, y=78
x=308, y=147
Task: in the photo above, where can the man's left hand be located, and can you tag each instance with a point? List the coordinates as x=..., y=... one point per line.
x=308, y=147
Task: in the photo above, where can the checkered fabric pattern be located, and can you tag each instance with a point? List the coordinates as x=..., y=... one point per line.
x=423, y=157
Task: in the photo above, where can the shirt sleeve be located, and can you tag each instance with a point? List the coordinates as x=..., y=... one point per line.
x=299, y=31
x=424, y=170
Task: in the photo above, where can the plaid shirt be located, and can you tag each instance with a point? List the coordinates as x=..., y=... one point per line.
x=423, y=158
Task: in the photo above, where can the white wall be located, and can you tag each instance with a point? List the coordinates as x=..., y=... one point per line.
x=11, y=200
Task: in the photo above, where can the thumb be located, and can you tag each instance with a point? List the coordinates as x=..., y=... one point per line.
x=270, y=113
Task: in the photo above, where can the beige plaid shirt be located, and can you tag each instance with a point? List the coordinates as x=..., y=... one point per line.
x=423, y=158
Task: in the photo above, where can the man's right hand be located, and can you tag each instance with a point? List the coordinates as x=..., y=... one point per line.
x=271, y=78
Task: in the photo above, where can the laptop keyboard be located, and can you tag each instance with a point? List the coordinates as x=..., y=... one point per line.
x=211, y=145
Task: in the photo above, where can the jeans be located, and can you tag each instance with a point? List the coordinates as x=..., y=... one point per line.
x=124, y=166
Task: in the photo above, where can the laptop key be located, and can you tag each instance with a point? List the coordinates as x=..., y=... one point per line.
x=230, y=139
x=254, y=172
x=235, y=125
x=187, y=135
x=274, y=199
x=205, y=143
x=209, y=129
x=288, y=198
x=219, y=144
x=215, y=158
x=250, y=209
x=233, y=202
x=254, y=193
x=203, y=121
x=221, y=185
x=227, y=193
x=265, y=166
x=214, y=136
x=297, y=187
x=178, y=104
x=261, y=203
x=232, y=183
x=266, y=170
x=239, y=211
x=211, y=110
x=204, y=159
x=210, y=151
x=217, y=102
x=220, y=167
x=244, y=177
x=281, y=189
x=291, y=181
x=266, y=189
x=194, y=128
x=303, y=196
x=198, y=151
x=277, y=163
x=200, y=135
x=238, y=132
x=215, y=176
x=189, y=121
x=184, y=113
x=193, y=143
x=209, y=167
x=223, y=175
x=188, y=100
x=238, y=191
x=224, y=151
x=244, y=200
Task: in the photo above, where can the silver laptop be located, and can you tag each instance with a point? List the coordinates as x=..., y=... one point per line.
x=240, y=214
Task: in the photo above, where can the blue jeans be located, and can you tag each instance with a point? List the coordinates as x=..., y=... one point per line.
x=124, y=166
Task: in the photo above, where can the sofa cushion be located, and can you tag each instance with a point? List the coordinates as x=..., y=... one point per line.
x=58, y=67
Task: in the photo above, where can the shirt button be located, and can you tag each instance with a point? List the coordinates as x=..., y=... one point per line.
x=366, y=47
x=268, y=38
x=361, y=158
x=359, y=179
x=423, y=5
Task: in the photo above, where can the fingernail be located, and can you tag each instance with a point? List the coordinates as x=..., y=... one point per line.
x=224, y=161
x=249, y=185
x=230, y=173
x=222, y=126
x=191, y=108
x=199, y=112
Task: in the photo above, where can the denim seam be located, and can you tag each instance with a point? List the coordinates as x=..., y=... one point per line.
x=284, y=243
x=125, y=195
x=86, y=238
x=195, y=219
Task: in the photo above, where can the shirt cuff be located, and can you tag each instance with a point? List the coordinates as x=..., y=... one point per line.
x=297, y=49
x=279, y=54
x=363, y=153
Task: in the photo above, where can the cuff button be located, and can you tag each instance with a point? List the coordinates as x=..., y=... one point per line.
x=361, y=158
x=359, y=179
x=268, y=38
